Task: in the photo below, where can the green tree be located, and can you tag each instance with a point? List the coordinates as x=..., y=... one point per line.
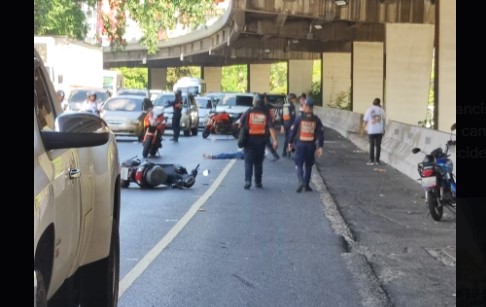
x=135, y=77
x=278, y=78
x=60, y=17
x=234, y=78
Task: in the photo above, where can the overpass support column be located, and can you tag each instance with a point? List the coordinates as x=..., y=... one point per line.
x=157, y=78
x=336, y=78
x=300, y=76
x=408, y=71
x=368, y=69
x=212, y=77
x=446, y=76
x=259, y=78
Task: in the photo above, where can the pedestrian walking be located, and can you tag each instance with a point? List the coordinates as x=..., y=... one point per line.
x=288, y=117
x=260, y=128
x=306, y=131
x=271, y=111
x=374, y=123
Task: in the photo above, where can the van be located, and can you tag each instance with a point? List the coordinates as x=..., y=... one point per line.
x=195, y=86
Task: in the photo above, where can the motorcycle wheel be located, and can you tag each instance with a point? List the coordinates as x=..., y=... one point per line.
x=153, y=151
x=205, y=133
x=146, y=146
x=436, y=209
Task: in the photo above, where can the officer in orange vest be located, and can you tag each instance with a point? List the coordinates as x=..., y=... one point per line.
x=306, y=131
x=260, y=127
x=288, y=117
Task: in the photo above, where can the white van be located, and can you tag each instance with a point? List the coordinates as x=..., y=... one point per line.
x=195, y=86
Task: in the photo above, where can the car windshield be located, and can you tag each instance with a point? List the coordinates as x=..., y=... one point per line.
x=132, y=92
x=244, y=101
x=204, y=103
x=164, y=100
x=123, y=104
x=81, y=95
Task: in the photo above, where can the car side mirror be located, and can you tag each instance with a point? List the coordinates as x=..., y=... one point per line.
x=453, y=127
x=415, y=150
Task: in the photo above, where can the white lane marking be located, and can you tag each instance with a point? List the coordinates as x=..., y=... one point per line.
x=141, y=266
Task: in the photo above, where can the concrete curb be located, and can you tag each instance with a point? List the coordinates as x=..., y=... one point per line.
x=369, y=287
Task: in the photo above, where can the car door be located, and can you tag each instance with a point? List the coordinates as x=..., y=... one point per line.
x=58, y=171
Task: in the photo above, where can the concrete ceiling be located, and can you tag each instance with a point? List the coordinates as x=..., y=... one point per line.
x=267, y=31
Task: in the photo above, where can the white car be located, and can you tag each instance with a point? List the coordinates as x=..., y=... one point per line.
x=76, y=204
x=235, y=104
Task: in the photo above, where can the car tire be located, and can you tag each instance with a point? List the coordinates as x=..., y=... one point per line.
x=99, y=281
x=187, y=132
x=194, y=131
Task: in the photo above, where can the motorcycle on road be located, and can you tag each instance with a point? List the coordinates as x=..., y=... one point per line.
x=222, y=123
x=437, y=179
x=154, y=127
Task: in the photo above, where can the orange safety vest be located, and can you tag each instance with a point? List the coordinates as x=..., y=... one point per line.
x=286, y=112
x=257, y=123
x=307, y=130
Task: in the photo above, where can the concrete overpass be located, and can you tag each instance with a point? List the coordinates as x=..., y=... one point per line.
x=368, y=48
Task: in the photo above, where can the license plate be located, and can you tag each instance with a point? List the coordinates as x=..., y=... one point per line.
x=429, y=182
x=124, y=173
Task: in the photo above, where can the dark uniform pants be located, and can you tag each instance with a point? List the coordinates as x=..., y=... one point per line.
x=254, y=154
x=176, y=125
x=304, y=160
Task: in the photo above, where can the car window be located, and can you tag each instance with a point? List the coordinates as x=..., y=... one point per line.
x=229, y=101
x=43, y=102
x=203, y=103
x=245, y=101
x=123, y=104
x=164, y=100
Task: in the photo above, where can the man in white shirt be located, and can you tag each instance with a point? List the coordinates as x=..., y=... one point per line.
x=374, y=122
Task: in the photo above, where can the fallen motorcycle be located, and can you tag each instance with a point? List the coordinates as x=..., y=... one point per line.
x=150, y=175
x=437, y=179
x=222, y=123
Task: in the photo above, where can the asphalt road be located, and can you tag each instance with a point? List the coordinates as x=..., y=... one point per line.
x=217, y=244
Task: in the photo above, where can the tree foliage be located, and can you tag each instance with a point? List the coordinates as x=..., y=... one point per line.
x=278, y=78
x=60, y=17
x=135, y=77
x=234, y=78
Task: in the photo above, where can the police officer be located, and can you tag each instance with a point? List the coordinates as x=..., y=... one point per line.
x=271, y=111
x=259, y=123
x=288, y=117
x=306, y=130
x=176, y=115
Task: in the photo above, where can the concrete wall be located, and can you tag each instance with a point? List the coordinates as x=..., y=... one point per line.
x=300, y=76
x=259, y=76
x=336, y=77
x=397, y=144
x=212, y=77
x=368, y=68
x=158, y=78
x=408, y=70
x=447, y=64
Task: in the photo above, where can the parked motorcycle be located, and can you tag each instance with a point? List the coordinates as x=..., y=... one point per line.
x=222, y=123
x=154, y=126
x=437, y=179
x=149, y=175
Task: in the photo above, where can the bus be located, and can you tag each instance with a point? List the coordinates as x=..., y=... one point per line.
x=112, y=81
x=195, y=86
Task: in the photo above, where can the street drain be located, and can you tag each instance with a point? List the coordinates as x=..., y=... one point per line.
x=442, y=256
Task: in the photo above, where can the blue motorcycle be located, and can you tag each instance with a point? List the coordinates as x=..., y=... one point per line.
x=437, y=179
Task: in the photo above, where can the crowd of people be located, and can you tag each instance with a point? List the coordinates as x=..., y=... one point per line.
x=303, y=137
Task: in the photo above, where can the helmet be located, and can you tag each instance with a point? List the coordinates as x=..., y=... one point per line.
x=91, y=93
x=60, y=93
x=258, y=100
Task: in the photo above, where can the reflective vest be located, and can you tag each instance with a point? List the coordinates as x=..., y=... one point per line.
x=307, y=129
x=257, y=122
x=286, y=116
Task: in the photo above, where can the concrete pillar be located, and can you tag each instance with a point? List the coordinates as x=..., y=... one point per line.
x=408, y=69
x=446, y=65
x=300, y=76
x=212, y=77
x=336, y=78
x=368, y=76
x=158, y=79
x=259, y=78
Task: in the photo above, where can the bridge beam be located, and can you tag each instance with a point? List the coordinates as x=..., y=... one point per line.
x=212, y=77
x=157, y=78
x=336, y=78
x=300, y=76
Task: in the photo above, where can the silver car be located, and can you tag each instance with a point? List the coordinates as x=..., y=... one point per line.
x=206, y=104
x=125, y=114
x=190, y=112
